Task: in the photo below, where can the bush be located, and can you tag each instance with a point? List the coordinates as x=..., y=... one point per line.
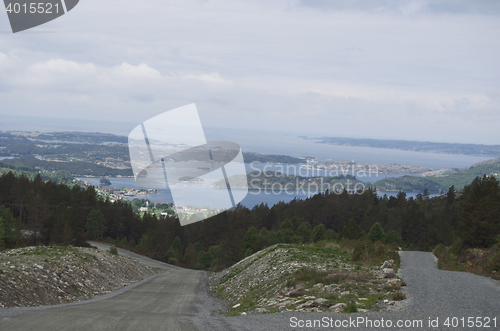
x=439, y=251
x=456, y=247
x=359, y=253
x=494, y=263
x=113, y=250
x=351, y=308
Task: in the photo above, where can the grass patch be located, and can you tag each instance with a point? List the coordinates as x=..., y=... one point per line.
x=351, y=308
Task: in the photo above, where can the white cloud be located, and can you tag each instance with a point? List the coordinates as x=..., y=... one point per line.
x=4, y=60
x=142, y=70
x=213, y=77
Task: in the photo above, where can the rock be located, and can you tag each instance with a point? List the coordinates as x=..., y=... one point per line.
x=320, y=301
x=236, y=305
x=386, y=301
x=393, y=284
x=297, y=293
x=388, y=264
x=286, y=303
x=338, y=308
x=261, y=310
x=345, y=293
x=306, y=304
x=243, y=314
x=311, y=297
x=281, y=309
x=318, y=285
x=389, y=273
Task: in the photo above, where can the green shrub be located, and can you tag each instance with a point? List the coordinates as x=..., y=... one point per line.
x=494, y=263
x=359, y=253
x=439, y=251
x=351, y=308
x=456, y=247
x=113, y=250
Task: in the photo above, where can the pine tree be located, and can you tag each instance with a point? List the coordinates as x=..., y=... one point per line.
x=351, y=231
x=376, y=233
x=480, y=217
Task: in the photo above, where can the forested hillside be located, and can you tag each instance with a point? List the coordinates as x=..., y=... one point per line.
x=58, y=214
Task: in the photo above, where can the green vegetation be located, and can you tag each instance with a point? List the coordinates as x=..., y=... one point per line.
x=58, y=176
x=293, y=269
x=434, y=183
x=277, y=181
x=46, y=212
x=479, y=220
x=77, y=168
x=105, y=182
x=113, y=250
x=477, y=247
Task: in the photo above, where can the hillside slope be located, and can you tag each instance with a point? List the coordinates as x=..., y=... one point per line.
x=36, y=276
x=441, y=179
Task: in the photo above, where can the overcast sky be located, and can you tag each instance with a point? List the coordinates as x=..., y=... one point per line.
x=412, y=70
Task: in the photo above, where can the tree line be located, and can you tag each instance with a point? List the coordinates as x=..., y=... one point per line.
x=38, y=212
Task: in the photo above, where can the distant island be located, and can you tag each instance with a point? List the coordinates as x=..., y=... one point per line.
x=415, y=146
x=277, y=181
x=351, y=167
x=441, y=180
x=104, y=182
x=189, y=179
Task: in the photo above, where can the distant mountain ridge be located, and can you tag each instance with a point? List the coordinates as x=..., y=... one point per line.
x=415, y=146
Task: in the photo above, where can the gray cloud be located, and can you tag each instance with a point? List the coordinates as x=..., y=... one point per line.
x=356, y=71
x=482, y=7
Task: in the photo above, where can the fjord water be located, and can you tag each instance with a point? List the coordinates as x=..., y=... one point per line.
x=290, y=144
x=254, y=197
x=293, y=145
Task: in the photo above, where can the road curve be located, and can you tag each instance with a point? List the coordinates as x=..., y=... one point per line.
x=177, y=300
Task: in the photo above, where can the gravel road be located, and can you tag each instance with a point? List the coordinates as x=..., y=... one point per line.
x=178, y=300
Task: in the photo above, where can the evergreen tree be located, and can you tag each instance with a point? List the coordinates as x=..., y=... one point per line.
x=250, y=238
x=304, y=230
x=392, y=236
x=95, y=224
x=479, y=220
x=376, y=233
x=319, y=233
x=351, y=231
x=2, y=232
